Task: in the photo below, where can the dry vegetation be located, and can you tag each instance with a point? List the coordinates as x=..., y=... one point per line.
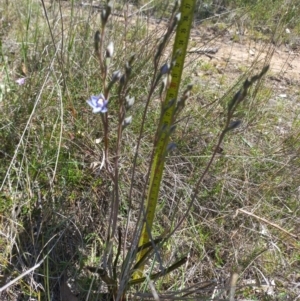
x=55, y=200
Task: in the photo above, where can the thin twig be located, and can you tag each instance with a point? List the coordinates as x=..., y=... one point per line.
x=267, y=222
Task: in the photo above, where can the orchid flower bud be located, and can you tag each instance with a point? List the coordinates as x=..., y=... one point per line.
x=97, y=39
x=233, y=125
x=106, y=13
x=126, y=122
x=165, y=69
x=129, y=102
x=110, y=50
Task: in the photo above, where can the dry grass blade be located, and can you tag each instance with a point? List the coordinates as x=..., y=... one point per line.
x=268, y=222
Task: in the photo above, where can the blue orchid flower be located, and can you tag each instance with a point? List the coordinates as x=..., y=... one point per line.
x=98, y=103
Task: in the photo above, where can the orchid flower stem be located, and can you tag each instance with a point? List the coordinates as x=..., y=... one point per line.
x=101, y=61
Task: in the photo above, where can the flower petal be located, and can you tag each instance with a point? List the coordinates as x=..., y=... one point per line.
x=97, y=110
x=90, y=103
x=21, y=81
